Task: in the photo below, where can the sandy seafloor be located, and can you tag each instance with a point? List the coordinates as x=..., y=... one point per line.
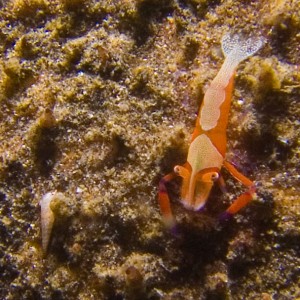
x=98, y=100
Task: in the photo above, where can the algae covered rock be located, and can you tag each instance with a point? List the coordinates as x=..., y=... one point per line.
x=97, y=102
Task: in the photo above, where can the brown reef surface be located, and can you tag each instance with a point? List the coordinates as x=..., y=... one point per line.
x=97, y=101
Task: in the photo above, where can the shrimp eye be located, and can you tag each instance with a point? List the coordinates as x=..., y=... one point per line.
x=214, y=176
x=176, y=169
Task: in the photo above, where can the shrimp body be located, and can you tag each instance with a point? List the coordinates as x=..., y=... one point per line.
x=206, y=154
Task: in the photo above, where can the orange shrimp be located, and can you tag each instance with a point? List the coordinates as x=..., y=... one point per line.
x=206, y=154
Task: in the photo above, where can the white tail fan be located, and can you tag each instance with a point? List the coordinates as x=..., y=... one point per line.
x=235, y=50
x=235, y=46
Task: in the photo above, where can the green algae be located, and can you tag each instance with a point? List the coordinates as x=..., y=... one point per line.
x=98, y=101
